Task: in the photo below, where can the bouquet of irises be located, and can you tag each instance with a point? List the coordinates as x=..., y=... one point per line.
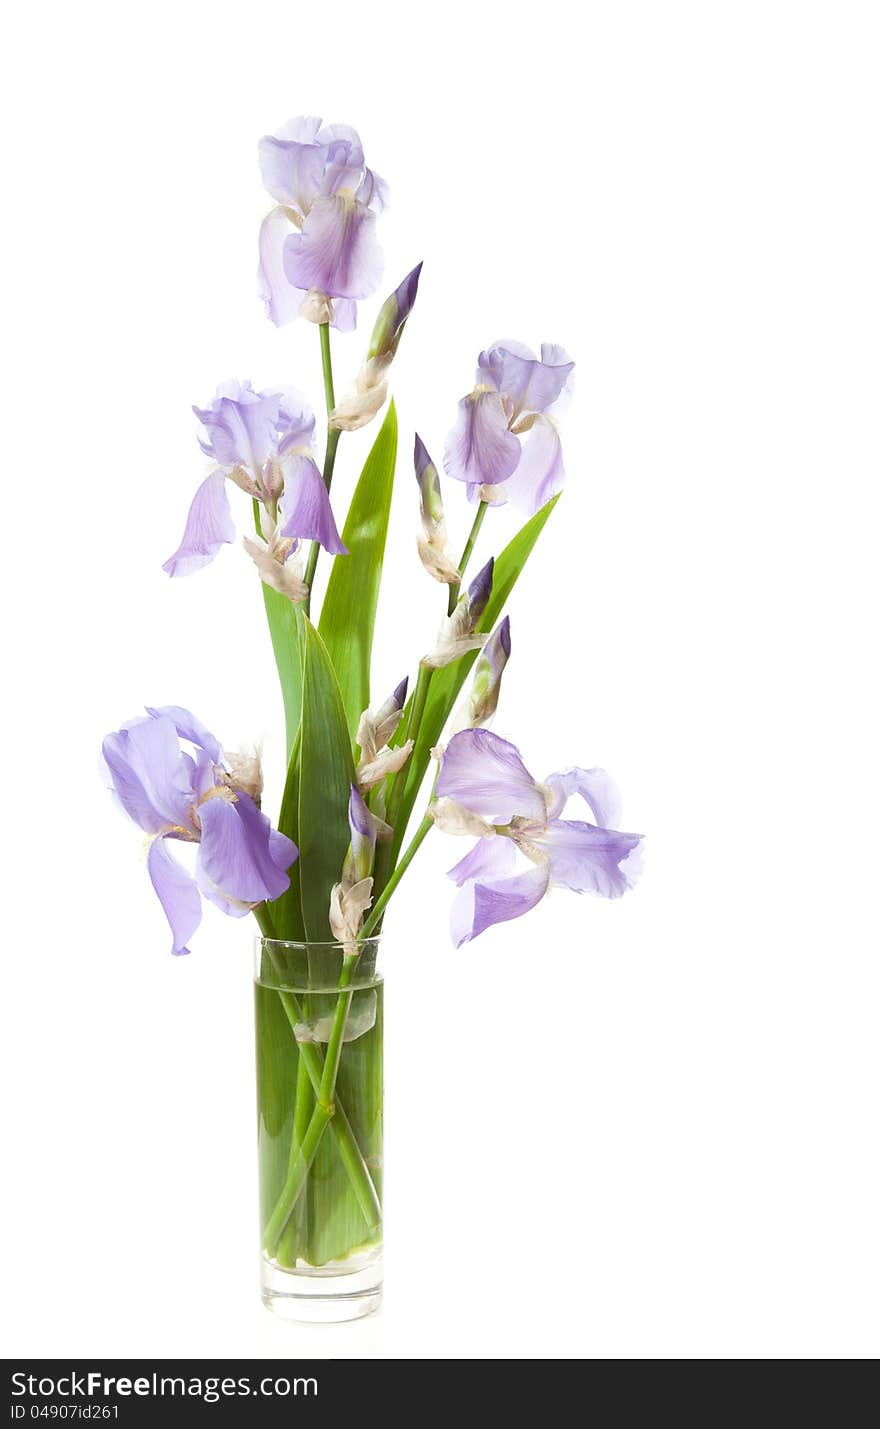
x=357, y=766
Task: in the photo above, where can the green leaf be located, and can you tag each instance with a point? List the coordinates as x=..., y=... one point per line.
x=324, y=773
x=286, y=911
x=348, y=614
x=286, y=630
x=447, y=682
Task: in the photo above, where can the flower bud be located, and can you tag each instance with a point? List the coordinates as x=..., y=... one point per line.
x=457, y=633
x=488, y=669
x=393, y=314
x=361, y=405
x=432, y=545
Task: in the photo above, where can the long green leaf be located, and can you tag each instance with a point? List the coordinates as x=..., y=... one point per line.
x=325, y=774
x=286, y=632
x=287, y=919
x=348, y=614
x=447, y=682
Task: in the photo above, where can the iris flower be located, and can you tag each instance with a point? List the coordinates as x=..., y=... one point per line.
x=261, y=441
x=318, y=248
x=196, y=796
x=484, y=788
x=516, y=396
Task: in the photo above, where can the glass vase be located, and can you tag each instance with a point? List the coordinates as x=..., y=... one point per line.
x=319, y=1106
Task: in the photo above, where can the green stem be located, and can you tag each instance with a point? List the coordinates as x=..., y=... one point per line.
x=311, y=1059
x=324, y=1112
x=333, y=435
x=455, y=590
x=415, y=844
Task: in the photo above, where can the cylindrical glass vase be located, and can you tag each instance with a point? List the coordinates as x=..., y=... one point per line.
x=319, y=1106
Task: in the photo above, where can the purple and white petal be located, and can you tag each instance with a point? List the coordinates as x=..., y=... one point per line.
x=151, y=778
x=344, y=314
x=480, y=904
x=293, y=169
x=480, y=449
x=337, y=251
x=596, y=787
x=527, y=383
x=235, y=853
x=540, y=473
x=189, y=727
x=590, y=860
x=493, y=857
x=486, y=775
x=305, y=512
x=176, y=892
x=280, y=298
x=209, y=526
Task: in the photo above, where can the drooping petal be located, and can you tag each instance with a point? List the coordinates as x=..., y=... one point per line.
x=209, y=526
x=177, y=893
x=344, y=317
x=281, y=299
x=151, y=778
x=540, y=473
x=189, y=727
x=480, y=449
x=337, y=251
x=596, y=787
x=239, y=851
x=491, y=897
x=305, y=510
x=588, y=859
x=492, y=857
x=486, y=775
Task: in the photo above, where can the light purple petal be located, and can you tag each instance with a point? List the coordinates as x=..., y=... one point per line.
x=596, y=787
x=540, y=473
x=240, y=425
x=486, y=775
x=337, y=251
x=292, y=171
x=344, y=314
x=305, y=510
x=209, y=526
x=189, y=727
x=478, y=905
x=528, y=383
x=492, y=857
x=296, y=422
x=590, y=860
x=282, y=300
x=235, y=852
x=480, y=449
x=177, y=893
x=150, y=775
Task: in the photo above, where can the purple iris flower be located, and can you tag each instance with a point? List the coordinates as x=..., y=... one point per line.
x=200, y=798
x=318, y=248
x=484, y=787
x=516, y=394
x=261, y=441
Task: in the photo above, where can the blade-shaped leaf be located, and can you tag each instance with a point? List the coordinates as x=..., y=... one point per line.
x=325, y=775
x=447, y=682
x=348, y=614
x=286, y=911
x=286, y=630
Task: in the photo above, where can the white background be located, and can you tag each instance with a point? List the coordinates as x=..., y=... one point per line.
x=646, y=1128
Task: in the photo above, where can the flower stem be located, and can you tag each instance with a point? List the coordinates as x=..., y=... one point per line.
x=324, y=1112
x=455, y=590
x=333, y=435
x=415, y=844
x=312, y=1061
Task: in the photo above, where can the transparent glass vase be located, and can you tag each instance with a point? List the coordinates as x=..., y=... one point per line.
x=319, y=1106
